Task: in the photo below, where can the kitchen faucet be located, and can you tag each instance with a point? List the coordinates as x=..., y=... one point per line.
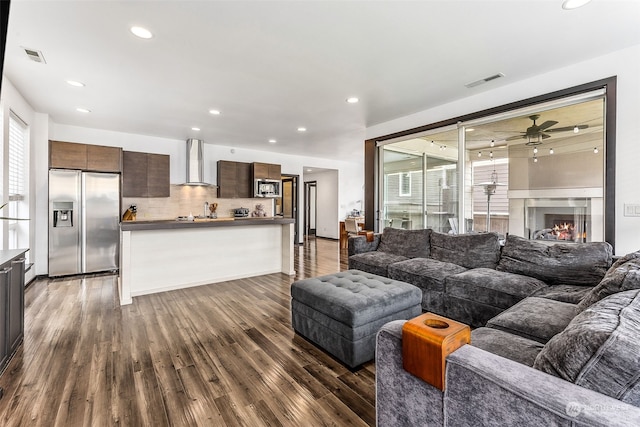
x=206, y=209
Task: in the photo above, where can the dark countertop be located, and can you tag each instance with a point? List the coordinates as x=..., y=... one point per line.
x=221, y=222
x=9, y=254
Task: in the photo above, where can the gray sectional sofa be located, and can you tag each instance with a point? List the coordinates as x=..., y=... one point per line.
x=471, y=278
x=541, y=362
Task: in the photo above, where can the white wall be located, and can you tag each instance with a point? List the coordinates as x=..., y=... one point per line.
x=625, y=64
x=12, y=100
x=349, y=185
x=327, y=212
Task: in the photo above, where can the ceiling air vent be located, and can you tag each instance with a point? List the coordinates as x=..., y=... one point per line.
x=485, y=80
x=34, y=55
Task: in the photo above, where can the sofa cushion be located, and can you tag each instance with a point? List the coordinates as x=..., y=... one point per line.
x=535, y=318
x=556, y=264
x=495, y=288
x=407, y=243
x=599, y=349
x=572, y=294
x=468, y=250
x=375, y=262
x=424, y=272
x=507, y=345
x=623, y=275
x=427, y=274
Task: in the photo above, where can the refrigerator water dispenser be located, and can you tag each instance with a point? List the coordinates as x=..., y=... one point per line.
x=62, y=214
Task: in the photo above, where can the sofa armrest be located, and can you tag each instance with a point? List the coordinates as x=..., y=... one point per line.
x=359, y=244
x=483, y=388
x=401, y=398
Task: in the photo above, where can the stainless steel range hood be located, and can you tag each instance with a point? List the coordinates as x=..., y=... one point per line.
x=195, y=162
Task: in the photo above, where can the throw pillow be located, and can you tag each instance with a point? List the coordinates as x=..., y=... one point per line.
x=478, y=250
x=407, y=243
x=599, y=349
x=583, y=264
x=623, y=275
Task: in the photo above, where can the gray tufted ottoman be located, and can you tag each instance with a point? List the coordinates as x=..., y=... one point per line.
x=342, y=312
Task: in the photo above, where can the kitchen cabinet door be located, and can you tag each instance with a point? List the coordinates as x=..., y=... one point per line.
x=234, y=180
x=243, y=180
x=15, y=302
x=67, y=155
x=145, y=174
x=227, y=172
x=134, y=174
x=260, y=170
x=104, y=159
x=158, y=175
x=5, y=272
x=275, y=171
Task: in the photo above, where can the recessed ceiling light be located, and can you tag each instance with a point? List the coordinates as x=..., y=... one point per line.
x=352, y=100
x=195, y=128
x=469, y=129
x=143, y=33
x=214, y=112
x=272, y=141
x=302, y=129
x=75, y=83
x=573, y=4
x=83, y=110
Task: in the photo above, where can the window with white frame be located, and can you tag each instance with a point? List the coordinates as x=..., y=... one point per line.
x=17, y=184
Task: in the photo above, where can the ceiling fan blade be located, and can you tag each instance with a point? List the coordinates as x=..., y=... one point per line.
x=545, y=136
x=567, y=128
x=513, y=138
x=547, y=124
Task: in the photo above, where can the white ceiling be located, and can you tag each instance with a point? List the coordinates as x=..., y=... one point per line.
x=272, y=66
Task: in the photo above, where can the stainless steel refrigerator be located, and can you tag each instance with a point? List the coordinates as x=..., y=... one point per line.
x=84, y=217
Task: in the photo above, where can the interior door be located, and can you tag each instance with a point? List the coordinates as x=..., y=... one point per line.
x=310, y=195
x=289, y=201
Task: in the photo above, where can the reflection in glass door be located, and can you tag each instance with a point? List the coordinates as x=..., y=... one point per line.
x=419, y=184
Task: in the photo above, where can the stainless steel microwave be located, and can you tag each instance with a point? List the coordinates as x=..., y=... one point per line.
x=268, y=188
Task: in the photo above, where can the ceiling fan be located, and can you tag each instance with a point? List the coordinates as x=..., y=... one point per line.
x=536, y=133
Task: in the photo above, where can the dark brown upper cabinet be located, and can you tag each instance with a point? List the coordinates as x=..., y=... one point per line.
x=234, y=180
x=86, y=157
x=266, y=171
x=145, y=175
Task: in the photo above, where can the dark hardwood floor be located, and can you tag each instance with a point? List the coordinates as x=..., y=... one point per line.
x=216, y=355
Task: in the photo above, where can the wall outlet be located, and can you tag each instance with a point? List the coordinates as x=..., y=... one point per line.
x=631, y=209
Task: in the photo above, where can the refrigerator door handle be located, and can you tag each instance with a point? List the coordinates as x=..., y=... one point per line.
x=83, y=226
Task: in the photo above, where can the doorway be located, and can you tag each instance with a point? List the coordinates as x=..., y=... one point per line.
x=310, y=208
x=287, y=205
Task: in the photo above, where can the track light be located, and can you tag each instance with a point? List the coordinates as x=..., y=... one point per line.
x=479, y=153
x=595, y=150
x=491, y=154
x=550, y=150
x=492, y=143
x=576, y=129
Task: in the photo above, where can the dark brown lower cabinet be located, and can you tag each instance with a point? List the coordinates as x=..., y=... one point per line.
x=11, y=304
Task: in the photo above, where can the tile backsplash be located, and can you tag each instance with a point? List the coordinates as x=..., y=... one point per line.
x=185, y=199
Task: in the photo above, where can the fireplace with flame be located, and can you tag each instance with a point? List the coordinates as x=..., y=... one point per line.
x=565, y=227
x=559, y=219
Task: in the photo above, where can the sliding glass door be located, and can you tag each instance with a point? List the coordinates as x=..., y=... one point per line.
x=419, y=183
x=537, y=172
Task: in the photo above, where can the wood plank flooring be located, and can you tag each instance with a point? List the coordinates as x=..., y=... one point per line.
x=216, y=355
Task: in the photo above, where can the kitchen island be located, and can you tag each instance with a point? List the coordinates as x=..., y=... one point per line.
x=158, y=256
